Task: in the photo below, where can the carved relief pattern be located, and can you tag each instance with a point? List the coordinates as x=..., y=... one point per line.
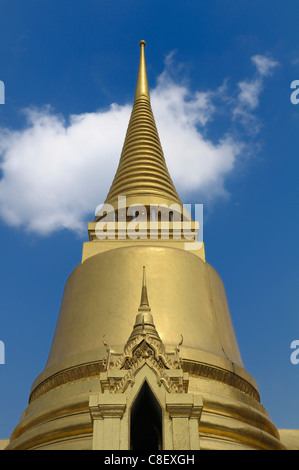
x=145, y=349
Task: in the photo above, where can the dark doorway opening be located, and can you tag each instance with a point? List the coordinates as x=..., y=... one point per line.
x=146, y=421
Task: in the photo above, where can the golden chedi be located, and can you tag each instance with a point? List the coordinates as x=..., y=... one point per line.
x=144, y=354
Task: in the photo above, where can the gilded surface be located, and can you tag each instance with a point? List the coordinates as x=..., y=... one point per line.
x=189, y=356
x=142, y=175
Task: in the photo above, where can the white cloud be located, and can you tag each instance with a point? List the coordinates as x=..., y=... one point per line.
x=55, y=173
x=194, y=162
x=249, y=93
x=263, y=64
x=250, y=90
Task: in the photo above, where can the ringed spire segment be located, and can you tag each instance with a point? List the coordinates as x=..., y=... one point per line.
x=142, y=175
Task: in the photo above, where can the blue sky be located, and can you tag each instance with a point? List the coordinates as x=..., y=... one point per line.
x=220, y=76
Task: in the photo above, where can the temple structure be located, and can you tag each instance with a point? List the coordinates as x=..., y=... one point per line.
x=144, y=354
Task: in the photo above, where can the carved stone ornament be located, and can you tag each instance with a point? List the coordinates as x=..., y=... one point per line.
x=121, y=369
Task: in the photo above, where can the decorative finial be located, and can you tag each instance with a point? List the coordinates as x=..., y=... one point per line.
x=144, y=298
x=177, y=349
x=142, y=90
x=144, y=323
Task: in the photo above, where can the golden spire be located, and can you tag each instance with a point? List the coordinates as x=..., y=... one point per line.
x=144, y=299
x=144, y=323
x=142, y=175
x=142, y=90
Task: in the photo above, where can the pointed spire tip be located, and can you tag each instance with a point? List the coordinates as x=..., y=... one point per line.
x=144, y=298
x=142, y=89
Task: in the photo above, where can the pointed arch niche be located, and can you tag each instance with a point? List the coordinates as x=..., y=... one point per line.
x=146, y=421
x=119, y=417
